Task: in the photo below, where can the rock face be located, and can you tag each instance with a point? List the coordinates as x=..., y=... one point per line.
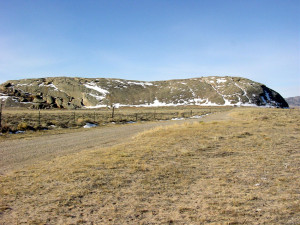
x=293, y=101
x=69, y=92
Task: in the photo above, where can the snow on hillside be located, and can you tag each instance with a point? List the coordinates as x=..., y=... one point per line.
x=140, y=83
x=49, y=85
x=93, y=93
x=94, y=86
x=217, y=83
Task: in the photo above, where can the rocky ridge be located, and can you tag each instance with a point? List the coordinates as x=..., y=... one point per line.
x=74, y=92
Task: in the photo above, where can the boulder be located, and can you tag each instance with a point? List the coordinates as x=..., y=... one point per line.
x=50, y=99
x=58, y=102
x=38, y=99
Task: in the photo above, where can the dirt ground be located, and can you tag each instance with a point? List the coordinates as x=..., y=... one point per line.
x=17, y=153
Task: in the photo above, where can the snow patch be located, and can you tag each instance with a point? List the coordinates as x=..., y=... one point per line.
x=119, y=81
x=3, y=97
x=99, y=98
x=130, y=122
x=89, y=125
x=49, y=85
x=221, y=80
x=93, y=86
x=117, y=105
x=140, y=83
x=24, y=84
x=177, y=118
x=19, y=132
x=199, y=117
x=95, y=107
x=195, y=117
x=227, y=102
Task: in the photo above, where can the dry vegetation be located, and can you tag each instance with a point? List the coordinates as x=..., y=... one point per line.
x=33, y=120
x=241, y=171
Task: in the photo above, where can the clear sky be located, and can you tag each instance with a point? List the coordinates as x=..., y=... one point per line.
x=153, y=40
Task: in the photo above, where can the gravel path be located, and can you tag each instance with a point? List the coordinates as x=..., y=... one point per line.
x=15, y=154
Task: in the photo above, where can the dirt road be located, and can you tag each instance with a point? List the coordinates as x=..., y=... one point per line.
x=15, y=154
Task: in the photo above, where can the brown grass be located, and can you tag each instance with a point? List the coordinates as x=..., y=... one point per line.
x=245, y=170
x=27, y=119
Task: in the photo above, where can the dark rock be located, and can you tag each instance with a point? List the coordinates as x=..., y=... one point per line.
x=7, y=85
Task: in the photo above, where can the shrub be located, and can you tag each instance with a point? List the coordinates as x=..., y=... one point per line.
x=80, y=121
x=63, y=124
x=5, y=128
x=22, y=126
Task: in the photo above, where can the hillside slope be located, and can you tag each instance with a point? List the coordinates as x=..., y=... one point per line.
x=293, y=101
x=69, y=92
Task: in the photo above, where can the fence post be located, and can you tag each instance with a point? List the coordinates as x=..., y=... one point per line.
x=154, y=115
x=136, y=117
x=113, y=112
x=191, y=113
x=94, y=116
x=74, y=117
x=39, y=117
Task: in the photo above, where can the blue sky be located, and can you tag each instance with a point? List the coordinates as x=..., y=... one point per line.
x=152, y=40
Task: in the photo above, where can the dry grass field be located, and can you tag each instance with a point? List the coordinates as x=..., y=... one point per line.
x=244, y=170
x=14, y=120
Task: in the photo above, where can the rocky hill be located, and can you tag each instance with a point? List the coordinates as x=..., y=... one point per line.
x=69, y=92
x=293, y=101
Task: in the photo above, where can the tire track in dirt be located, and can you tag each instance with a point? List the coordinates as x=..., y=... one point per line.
x=15, y=154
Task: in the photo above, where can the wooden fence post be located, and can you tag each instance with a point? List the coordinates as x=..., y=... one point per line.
x=136, y=117
x=74, y=117
x=39, y=117
x=94, y=116
x=113, y=112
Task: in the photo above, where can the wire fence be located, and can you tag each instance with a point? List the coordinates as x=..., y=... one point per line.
x=11, y=121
